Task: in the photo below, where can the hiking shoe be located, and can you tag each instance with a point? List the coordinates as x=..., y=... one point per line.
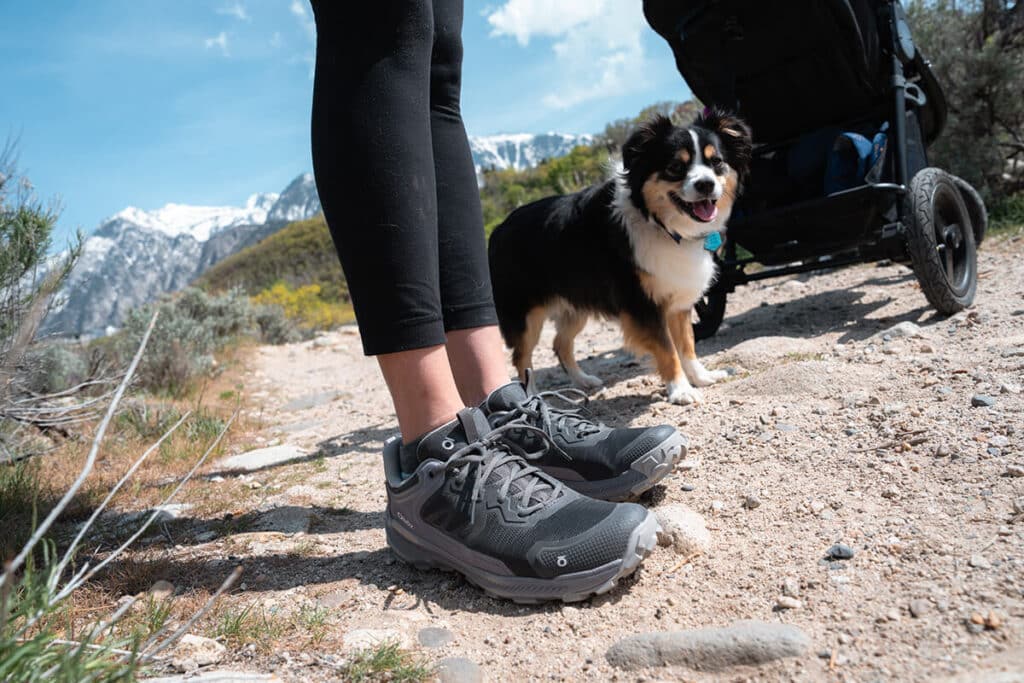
x=595, y=460
x=474, y=505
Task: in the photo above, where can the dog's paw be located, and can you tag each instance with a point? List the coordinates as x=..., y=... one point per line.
x=683, y=394
x=700, y=376
x=586, y=381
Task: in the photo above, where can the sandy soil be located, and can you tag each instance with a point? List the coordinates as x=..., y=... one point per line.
x=841, y=435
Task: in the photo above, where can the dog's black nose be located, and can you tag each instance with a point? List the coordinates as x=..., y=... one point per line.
x=704, y=186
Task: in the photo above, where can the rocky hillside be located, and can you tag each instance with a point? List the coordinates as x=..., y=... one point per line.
x=135, y=256
x=519, y=151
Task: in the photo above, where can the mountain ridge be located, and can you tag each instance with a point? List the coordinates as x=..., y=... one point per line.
x=135, y=255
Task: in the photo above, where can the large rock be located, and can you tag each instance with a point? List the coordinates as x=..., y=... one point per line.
x=261, y=458
x=218, y=677
x=683, y=529
x=903, y=330
x=193, y=652
x=710, y=649
x=459, y=670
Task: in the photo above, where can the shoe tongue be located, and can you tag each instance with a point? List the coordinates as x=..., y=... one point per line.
x=705, y=210
x=473, y=425
x=506, y=397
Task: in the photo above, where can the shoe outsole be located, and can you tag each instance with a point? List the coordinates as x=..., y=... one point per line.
x=654, y=465
x=535, y=591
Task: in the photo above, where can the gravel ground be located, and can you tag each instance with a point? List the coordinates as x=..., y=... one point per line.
x=853, y=416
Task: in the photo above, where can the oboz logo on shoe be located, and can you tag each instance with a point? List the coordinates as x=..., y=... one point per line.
x=447, y=444
x=561, y=561
x=404, y=520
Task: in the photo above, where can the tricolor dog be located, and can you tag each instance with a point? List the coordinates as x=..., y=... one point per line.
x=631, y=249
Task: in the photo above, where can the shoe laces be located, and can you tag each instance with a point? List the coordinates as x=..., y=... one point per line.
x=493, y=454
x=537, y=412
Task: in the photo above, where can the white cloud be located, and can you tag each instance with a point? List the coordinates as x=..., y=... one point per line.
x=236, y=10
x=597, y=50
x=221, y=41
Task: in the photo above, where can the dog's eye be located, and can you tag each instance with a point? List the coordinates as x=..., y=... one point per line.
x=675, y=170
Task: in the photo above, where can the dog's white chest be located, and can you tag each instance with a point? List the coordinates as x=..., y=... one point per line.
x=678, y=275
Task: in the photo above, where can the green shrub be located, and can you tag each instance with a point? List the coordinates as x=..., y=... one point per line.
x=191, y=326
x=55, y=367
x=1007, y=213
x=274, y=325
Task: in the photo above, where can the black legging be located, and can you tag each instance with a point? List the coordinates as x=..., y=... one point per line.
x=394, y=170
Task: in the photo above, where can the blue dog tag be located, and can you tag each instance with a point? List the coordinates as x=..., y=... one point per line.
x=713, y=241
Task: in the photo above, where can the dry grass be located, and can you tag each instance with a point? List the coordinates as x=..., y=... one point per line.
x=32, y=488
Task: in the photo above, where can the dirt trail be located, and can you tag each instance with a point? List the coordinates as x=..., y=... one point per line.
x=788, y=467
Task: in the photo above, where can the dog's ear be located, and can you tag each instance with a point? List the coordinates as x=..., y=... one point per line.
x=638, y=143
x=735, y=134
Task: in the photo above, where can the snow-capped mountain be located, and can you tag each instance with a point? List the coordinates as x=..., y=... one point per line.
x=135, y=256
x=298, y=201
x=522, y=150
x=200, y=222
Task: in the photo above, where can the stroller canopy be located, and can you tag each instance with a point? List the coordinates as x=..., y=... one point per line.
x=791, y=66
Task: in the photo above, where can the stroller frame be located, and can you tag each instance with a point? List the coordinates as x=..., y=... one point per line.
x=916, y=215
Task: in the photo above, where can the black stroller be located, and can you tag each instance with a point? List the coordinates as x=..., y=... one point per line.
x=843, y=107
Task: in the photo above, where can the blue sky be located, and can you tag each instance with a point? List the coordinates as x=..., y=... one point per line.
x=144, y=102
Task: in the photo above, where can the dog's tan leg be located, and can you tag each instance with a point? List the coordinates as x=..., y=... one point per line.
x=569, y=324
x=658, y=343
x=522, y=352
x=681, y=325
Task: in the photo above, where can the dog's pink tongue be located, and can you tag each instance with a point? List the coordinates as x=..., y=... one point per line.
x=705, y=210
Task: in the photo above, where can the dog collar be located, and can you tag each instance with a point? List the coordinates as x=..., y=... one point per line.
x=712, y=241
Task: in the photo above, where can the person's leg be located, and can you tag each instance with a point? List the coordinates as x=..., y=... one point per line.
x=475, y=348
x=374, y=166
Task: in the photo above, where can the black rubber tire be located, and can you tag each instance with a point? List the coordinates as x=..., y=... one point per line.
x=710, y=312
x=975, y=207
x=940, y=239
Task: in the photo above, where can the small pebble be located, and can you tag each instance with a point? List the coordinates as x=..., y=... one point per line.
x=918, y=608
x=788, y=602
x=979, y=562
x=790, y=588
x=839, y=551
x=982, y=401
x=687, y=487
x=1015, y=470
x=751, y=502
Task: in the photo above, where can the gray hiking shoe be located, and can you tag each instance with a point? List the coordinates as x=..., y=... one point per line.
x=474, y=505
x=592, y=458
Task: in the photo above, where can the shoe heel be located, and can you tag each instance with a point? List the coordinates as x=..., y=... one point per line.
x=408, y=552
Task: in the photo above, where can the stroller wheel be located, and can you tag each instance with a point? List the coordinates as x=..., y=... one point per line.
x=941, y=241
x=710, y=312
